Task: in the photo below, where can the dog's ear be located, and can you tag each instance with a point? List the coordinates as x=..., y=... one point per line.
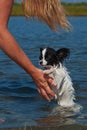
x=41, y=49
x=63, y=53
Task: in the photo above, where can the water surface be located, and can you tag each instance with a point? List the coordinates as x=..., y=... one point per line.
x=20, y=103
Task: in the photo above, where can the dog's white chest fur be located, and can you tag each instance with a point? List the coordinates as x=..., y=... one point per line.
x=64, y=90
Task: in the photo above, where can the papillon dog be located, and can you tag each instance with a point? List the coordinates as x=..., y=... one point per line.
x=52, y=61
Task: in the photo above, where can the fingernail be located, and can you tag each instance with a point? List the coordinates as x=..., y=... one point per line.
x=55, y=96
x=49, y=100
x=55, y=85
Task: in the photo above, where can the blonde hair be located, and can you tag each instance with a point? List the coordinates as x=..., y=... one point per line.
x=49, y=11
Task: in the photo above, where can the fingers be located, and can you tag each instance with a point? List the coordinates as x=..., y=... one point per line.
x=50, y=81
x=45, y=90
x=44, y=83
x=44, y=94
x=47, y=93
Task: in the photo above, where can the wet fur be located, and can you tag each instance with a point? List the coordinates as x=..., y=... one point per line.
x=52, y=61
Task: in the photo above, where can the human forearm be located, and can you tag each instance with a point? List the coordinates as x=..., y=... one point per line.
x=9, y=45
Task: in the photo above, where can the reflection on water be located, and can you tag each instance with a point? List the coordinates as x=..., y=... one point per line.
x=20, y=104
x=62, y=116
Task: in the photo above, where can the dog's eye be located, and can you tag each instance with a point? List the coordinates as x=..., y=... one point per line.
x=47, y=57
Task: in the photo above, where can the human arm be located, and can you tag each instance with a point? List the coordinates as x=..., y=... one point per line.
x=11, y=48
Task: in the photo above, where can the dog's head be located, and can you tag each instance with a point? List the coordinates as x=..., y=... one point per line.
x=48, y=56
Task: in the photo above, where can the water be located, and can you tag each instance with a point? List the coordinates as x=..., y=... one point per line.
x=20, y=103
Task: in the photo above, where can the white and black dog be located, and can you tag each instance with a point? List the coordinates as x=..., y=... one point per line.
x=52, y=61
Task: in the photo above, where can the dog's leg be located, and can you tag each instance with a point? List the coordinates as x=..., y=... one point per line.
x=49, y=71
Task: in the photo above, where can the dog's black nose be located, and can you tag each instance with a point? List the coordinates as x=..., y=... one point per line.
x=41, y=62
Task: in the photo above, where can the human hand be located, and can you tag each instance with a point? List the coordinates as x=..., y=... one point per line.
x=43, y=83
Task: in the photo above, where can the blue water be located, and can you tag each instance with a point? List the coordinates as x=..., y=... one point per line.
x=20, y=103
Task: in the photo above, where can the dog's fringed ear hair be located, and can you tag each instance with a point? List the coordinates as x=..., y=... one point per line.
x=63, y=53
x=41, y=49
